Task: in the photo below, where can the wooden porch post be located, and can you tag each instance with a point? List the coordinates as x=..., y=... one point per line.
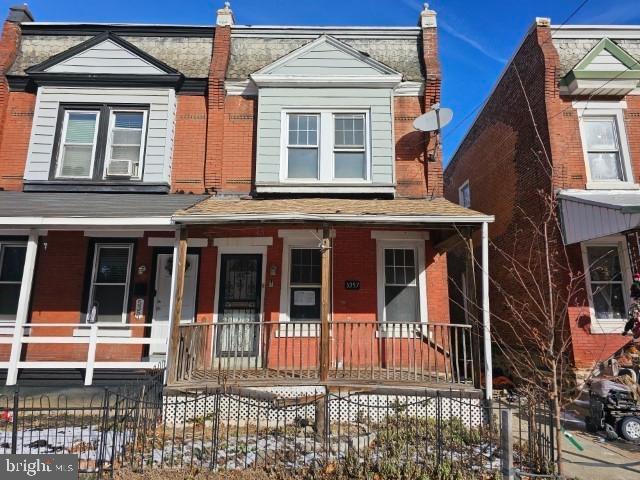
x=175, y=308
x=23, y=307
x=325, y=305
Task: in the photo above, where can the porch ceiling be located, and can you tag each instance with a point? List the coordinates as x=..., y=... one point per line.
x=435, y=210
x=23, y=209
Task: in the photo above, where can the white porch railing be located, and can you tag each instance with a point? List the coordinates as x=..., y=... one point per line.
x=96, y=334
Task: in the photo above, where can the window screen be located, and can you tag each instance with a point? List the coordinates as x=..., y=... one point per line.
x=126, y=137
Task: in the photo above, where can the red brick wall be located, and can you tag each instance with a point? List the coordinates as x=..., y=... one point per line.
x=14, y=138
x=506, y=164
x=354, y=258
x=238, y=152
x=11, y=35
x=187, y=168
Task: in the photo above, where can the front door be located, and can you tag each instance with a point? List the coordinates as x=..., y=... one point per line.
x=240, y=289
x=162, y=299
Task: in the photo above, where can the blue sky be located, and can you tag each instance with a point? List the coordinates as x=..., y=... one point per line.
x=476, y=36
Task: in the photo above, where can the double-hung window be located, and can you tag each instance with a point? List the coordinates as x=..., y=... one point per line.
x=303, y=148
x=606, y=282
x=604, y=141
x=109, y=290
x=464, y=195
x=349, y=152
x=100, y=142
x=305, y=284
x=12, y=255
x=78, y=145
x=401, y=298
x=603, y=149
x=326, y=146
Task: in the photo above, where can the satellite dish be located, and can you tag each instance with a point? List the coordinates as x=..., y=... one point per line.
x=433, y=120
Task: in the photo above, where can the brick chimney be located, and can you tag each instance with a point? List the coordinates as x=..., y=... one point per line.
x=11, y=35
x=432, y=86
x=216, y=98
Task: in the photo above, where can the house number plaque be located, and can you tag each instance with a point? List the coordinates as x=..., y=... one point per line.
x=352, y=284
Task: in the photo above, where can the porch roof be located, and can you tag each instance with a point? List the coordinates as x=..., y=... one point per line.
x=50, y=209
x=592, y=214
x=434, y=210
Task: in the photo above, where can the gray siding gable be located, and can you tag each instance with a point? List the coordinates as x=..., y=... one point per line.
x=326, y=56
x=106, y=57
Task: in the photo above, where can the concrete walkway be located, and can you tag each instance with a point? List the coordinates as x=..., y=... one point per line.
x=601, y=459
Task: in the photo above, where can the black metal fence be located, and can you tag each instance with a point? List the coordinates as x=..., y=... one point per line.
x=435, y=434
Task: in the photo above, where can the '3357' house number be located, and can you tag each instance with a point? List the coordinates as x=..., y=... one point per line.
x=352, y=284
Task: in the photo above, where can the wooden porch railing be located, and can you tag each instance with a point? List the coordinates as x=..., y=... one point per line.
x=290, y=353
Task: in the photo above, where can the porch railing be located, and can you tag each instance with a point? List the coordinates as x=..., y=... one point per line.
x=270, y=353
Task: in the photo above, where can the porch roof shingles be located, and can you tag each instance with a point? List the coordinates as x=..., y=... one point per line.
x=92, y=205
x=339, y=209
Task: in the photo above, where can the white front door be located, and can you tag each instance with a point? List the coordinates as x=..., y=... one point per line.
x=160, y=320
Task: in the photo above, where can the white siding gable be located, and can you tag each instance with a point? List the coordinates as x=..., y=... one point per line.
x=106, y=57
x=606, y=62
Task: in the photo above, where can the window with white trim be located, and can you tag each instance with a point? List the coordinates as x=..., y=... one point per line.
x=401, y=297
x=607, y=282
x=100, y=142
x=464, y=195
x=12, y=255
x=109, y=291
x=126, y=141
x=304, y=284
x=325, y=146
x=603, y=149
x=78, y=144
x=604, y=141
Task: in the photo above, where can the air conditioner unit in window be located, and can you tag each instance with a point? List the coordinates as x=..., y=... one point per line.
x=120, y=168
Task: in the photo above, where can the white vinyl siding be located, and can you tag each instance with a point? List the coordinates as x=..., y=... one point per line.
x=160, y=126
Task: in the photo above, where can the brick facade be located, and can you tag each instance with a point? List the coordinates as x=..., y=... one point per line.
x=507, y=156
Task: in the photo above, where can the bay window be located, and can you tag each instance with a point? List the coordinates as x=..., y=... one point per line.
x=325, y=146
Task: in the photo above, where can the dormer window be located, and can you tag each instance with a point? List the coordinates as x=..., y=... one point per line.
x=101, y=142
x=326, y=146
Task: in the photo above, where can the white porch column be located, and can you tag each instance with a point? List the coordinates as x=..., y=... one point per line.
x=23, y=306
x=488, y=374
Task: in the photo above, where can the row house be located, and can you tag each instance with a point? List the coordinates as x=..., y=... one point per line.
x=249, y=205
x=564, y=118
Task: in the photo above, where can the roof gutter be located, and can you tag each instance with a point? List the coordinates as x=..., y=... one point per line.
x=86, y=221
x=337, y=218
